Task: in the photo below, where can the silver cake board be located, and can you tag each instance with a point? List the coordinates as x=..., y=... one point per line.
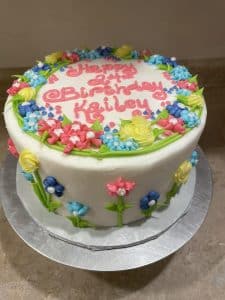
x=121, y=258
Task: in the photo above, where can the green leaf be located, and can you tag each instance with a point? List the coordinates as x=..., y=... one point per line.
x=112, y=206
x=97, y=126
x=80, y=223
x=163, y=114
x=66, y=120
x=126, y=206
x=148, y=212
x=182, y=98
x=199, y=92
x=157, y=132
x=44, y=136
x=54, y=205
x=162, y=67
x=124, y=122
x=193, y=79
x=104, y=149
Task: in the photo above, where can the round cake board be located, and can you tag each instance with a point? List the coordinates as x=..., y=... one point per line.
x=123, y=258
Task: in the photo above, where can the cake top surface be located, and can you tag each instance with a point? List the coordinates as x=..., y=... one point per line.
x=107, y=102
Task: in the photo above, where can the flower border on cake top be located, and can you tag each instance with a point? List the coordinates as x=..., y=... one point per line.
x=139, y=135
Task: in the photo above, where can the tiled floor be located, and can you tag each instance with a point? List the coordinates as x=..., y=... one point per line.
x=197, y=271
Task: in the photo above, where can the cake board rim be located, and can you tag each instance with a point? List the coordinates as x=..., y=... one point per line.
x=112, y=259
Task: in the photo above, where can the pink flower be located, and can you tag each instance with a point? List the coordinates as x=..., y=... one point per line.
x=145, y=53
x=12, y=148
x=172, y=124
x=71, y=56
x=185, y=84
x=120, y=187
x=16, y=87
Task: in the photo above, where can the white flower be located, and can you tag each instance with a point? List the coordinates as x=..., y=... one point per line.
x=121, y=192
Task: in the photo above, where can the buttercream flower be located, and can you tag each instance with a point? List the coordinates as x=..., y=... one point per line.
x=190, y=118
x=123, y=52
x=30, y=121
x=29, y=106
x=180, y=73
x=156, y=59
x=145, y=53
x=16, y=87
x=52, y=186
x=182, y=173
x=105, y=51
x=34, y=78
x=114, y=143
x=28, y=161
x=149, y=200
x=138, y=129
x=172, y=124
x=28, y=176
x=53, y=57
x=12, y=148
x=27, y=93
x=71, y=56
x=175, y=109
x=185, y=84
x=120, y=187
x=77, y=209
x=194, y=158
x=195, y=100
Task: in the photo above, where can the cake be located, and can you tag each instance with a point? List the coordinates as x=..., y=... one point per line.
x=105, y=137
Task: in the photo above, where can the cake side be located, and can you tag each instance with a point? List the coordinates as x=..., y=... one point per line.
x=120, y=186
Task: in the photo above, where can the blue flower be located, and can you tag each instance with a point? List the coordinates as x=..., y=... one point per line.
x=83, y=53
x=34, y=78
x=41, y=67
x=77, y=208
x=190, y=119
x=194, y=158
x=156, y=60
x=180, y=73
x=170, y=61
x=113, y=142
x=105, y=51
x=52, y=186
x=30, y=121
x=183, y=92
x=150, y=199
x=135, y=54
x=175, y=109
x=26, y=107
x=28, y=176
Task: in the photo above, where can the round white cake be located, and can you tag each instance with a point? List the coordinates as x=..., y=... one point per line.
x=105, y=136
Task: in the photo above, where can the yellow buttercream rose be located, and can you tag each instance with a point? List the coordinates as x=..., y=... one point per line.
x=195, y=100
x=182, y=173
x=139, y=129
x=27, y=93
x=53, y=57
x=28, y=161
x=123, y=51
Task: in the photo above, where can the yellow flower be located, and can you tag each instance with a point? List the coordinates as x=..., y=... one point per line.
x=53, y=57
x=182, y=173
x=28, y=161
x=195, y=100
x=123, y=51
x=139, y=129
x=27, y=93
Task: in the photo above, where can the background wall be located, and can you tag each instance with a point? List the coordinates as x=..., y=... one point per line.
x=187, y=29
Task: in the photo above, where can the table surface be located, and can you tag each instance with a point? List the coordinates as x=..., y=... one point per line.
x=197, y=271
